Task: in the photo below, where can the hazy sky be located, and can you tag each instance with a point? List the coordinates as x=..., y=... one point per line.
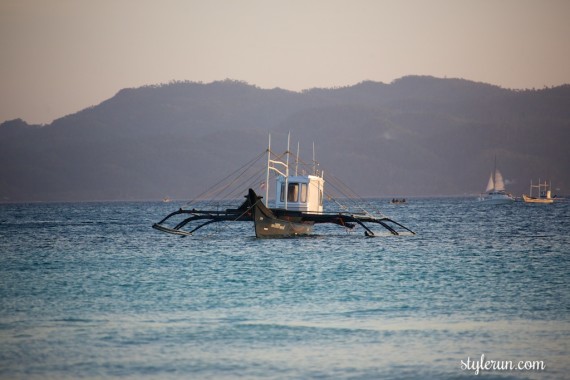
x=60, y=56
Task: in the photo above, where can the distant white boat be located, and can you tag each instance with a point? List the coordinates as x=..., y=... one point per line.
x=544, y=194
x=495, y=192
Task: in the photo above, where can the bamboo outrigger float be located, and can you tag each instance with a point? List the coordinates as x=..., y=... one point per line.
x=298, y=207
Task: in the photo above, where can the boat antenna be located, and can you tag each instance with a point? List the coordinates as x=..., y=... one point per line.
x=287, y=169
x=314, y=161
x=297, y=160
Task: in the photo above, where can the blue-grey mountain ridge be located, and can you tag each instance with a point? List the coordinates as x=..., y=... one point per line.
x=417, y=136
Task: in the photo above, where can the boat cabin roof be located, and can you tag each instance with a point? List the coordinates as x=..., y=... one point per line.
x=300, y=178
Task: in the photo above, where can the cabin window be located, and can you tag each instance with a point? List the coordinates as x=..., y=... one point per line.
x=293, y=192
x=303, y=193
x=320, y=197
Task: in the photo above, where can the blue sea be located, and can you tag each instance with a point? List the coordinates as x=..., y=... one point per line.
x=91, y=291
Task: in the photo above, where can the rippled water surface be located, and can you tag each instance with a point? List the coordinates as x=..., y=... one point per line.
x=89, y=290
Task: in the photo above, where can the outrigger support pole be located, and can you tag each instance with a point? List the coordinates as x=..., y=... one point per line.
x=368, y=231
x=177, y=229
x=382, y=222
x=240, y=214
x=400, y=225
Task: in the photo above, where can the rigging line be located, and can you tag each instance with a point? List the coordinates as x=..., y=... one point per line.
x=347, y=202
x=340, y=183
x=306, y=166
x=339, y=186
x=352, y=198
x=241, y=180
x=277, y=157
x=361, y=199
x=247, y=183
x=218, y=193
x=248, y=209
x=338, y=191
x=250, y=182
x=235, y=192
x=255, y=179
x=351, y=206
x=340, y=205
x=238, y=172
x=223, y=193
x=211, y=189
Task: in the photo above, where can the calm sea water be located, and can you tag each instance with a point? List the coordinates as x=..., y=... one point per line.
x=89, y=290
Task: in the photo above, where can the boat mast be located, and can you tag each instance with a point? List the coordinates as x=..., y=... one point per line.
x=267, y=178
x=287, y=170
x=272, y=165
x=495, y=175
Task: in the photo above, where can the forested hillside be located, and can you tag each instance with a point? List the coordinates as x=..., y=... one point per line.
x=416, y=136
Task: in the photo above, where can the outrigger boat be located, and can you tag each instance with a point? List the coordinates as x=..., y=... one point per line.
x=298, y=207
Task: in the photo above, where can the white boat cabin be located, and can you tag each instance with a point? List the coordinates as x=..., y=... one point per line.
x=295, y=192
x=300, y=193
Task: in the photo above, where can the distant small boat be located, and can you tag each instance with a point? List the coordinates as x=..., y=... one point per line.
x=495, y=192
x=544, y=195
x=166, y=200
x=397, y=201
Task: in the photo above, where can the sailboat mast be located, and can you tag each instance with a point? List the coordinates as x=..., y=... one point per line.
x=495, y=174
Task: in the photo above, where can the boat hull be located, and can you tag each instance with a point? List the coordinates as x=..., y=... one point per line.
x=268, y=225
x=496, y=199
x=528, y=199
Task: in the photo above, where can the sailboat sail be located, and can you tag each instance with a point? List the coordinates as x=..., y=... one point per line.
x=491, y=184
x=499, y=183
x=496, y=189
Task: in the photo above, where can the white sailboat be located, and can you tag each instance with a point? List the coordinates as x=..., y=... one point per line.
x=495, y=192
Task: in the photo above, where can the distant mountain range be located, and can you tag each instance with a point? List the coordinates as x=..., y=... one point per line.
x=417, y=136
